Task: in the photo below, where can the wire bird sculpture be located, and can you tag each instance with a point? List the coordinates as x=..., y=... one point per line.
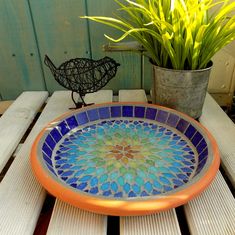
x=82, y=75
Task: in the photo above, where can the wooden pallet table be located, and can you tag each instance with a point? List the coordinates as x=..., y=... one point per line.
x=22, y=198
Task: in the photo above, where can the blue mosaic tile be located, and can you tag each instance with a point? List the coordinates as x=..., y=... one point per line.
x=139, y=112
x=47, y=150
x=127, y=111
x=203, y=155
x=104, y=113
x=177, y=182
x=50, y=168
x=161, y=116
x=200, y=147
x=172, y=120
x=47, y=159
x=94, y=190
x=144, y=194
x=56, y=135
x=51, y=143
x=72, y=180
x=151, y=113
x=116, y=111
x=82, y=186
x=182, y=125
x=72, y=122
x=63, y=128
x=182, y=176
x=107, y=193
x=118, y=195
x=93, y=114
x=201, y=165
x=197, y=138
x=190, y=131
x=82, y=118
x=132, y=194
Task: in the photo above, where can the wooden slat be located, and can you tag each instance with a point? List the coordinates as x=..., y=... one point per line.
x=67, y=219
x=147, y=74
x=21, y=196
x=157, y=224
x=132, y=95
x=213, y=212
x=70, y=220
x=15, y=121
x=98, y=97
x=223, y=129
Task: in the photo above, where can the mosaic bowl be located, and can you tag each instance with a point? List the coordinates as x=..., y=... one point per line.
x=125, y=158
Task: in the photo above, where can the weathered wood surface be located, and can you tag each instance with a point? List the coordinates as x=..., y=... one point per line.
x=223, y=129
x=67, y=220
x=21, y=195
x=16, y=120
x=132, y=95
x=213, y=212
x=156, y=224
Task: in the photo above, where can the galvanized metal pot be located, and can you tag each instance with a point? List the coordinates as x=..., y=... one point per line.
x=183, y=90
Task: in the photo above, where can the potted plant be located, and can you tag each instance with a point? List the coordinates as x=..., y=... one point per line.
x=180, y=37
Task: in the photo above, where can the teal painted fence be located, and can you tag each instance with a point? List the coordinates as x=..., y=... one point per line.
x=29, y=29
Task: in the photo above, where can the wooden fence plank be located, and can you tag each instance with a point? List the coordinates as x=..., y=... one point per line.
x=147, y=74
x=16, y=120
x=20, y=67
x=21, y=195
x=60, y=33
x=129, y=73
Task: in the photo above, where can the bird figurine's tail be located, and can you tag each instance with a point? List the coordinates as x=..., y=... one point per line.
x=50, y=64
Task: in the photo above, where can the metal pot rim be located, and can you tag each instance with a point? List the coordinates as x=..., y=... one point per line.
x=210, y=65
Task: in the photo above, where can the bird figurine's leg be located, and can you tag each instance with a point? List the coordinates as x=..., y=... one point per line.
x=83, y=101
x=77, y=104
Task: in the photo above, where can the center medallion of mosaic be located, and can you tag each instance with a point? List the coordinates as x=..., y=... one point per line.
x=124, y=152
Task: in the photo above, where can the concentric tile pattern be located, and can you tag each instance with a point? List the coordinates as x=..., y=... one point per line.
x=124, y=151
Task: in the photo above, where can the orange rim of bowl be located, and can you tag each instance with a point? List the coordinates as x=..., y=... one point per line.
x=128, y=207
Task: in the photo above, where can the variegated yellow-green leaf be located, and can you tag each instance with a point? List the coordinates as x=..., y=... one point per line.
x=178, y=34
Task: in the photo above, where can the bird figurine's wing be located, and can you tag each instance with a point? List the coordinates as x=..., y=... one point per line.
x=87, y=75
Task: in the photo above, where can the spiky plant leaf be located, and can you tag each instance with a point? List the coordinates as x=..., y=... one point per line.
x=178, y=34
